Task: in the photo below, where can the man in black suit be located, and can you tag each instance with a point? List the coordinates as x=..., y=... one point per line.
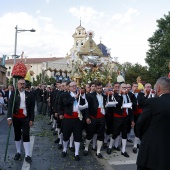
x=153, y=129
x=22, y=117
x=95, y=118
x=72, y=122
x=123, y=114
x=8, y=93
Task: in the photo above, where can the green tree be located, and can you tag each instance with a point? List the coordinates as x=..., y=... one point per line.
x=158, y=56
x=132, y=71
x=45, y=80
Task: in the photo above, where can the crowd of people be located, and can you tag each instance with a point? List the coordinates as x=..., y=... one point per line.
x=4, y=96
x=103, y=115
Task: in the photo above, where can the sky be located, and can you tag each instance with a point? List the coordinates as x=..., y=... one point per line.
x=122, y=25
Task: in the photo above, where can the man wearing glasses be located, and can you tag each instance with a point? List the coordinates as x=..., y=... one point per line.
x=71, y=119
x=22, y=117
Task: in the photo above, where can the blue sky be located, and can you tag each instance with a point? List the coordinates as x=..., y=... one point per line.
x=123, y=25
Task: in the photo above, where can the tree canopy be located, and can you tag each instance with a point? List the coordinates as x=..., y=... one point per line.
x=132, y=71
x=158, y=56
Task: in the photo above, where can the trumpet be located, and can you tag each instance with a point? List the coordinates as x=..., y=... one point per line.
x=137, y=91
x=81, y=91
x=150, y=91
x=115, y=90
x=124, y=91
x=109, y=93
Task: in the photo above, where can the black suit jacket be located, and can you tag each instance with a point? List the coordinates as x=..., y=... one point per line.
x=153, y=128
x=141, y=99
x=30, y=104
x=67, y=103
x=42, y=96
x=3, y=93
x=93, y=104
x=119, y=110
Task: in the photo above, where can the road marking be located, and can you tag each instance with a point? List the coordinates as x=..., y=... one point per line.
x=122, y=162
x=26, y=166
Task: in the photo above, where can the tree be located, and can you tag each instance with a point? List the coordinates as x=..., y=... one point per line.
x=47, y=80
x=158, y=56
x=133, y=71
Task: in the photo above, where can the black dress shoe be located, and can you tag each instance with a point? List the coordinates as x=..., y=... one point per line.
x=135, y=150
x=99, y=155
x=94, y=149
x=71, y=149
x=17, y=157
x=118, y=149
x=85, y=153
x=129, y=140
x=77, y=157
x=28, y=159
x=63, y=154
x=57, y=140
x=109, y=151
x=60, y=146
x=125, y=154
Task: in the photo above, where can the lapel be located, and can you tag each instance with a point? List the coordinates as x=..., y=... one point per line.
x=26, y=96
x=95, y=94
x=104, y=99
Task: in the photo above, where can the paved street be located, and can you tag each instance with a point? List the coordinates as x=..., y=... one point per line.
x=46, y=155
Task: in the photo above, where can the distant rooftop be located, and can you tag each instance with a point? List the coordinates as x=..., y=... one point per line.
x=103, y=49
x=33, y=60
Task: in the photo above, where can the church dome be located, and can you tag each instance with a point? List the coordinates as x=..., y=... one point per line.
x=103, y=49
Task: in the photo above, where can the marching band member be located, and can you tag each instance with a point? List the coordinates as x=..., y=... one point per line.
x=95, y=118
x=122, y=114
x=72, y=119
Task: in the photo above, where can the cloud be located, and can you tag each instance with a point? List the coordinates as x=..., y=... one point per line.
x=48, y=1
x=38, y=12
x=47, y=39
x=118, y=32
x=126, y=17
x=87, y=14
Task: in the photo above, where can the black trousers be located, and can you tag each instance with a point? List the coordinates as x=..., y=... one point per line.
x=136, y=117
x=21, y=124
x=143, y=168
x=120, y=125
x=72, y=125
x=59, y=122
x=97, y=126
x=109, y=123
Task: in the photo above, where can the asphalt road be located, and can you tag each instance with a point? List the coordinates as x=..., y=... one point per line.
x=46, y=155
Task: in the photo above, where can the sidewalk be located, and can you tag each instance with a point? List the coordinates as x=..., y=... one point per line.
x=46, y=155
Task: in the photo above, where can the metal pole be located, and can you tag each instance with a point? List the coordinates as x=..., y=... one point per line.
x=15, y=50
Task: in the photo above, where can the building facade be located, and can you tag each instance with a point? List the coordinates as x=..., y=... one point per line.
x=37, y=65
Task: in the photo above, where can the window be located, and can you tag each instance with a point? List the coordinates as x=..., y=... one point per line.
x=8, y=73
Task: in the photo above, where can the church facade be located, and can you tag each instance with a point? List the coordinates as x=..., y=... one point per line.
x=85, y=54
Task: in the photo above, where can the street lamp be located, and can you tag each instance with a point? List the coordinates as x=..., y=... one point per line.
x=15, y=47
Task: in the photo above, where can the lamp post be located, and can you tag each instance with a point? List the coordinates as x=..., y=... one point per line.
x=15, y=47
